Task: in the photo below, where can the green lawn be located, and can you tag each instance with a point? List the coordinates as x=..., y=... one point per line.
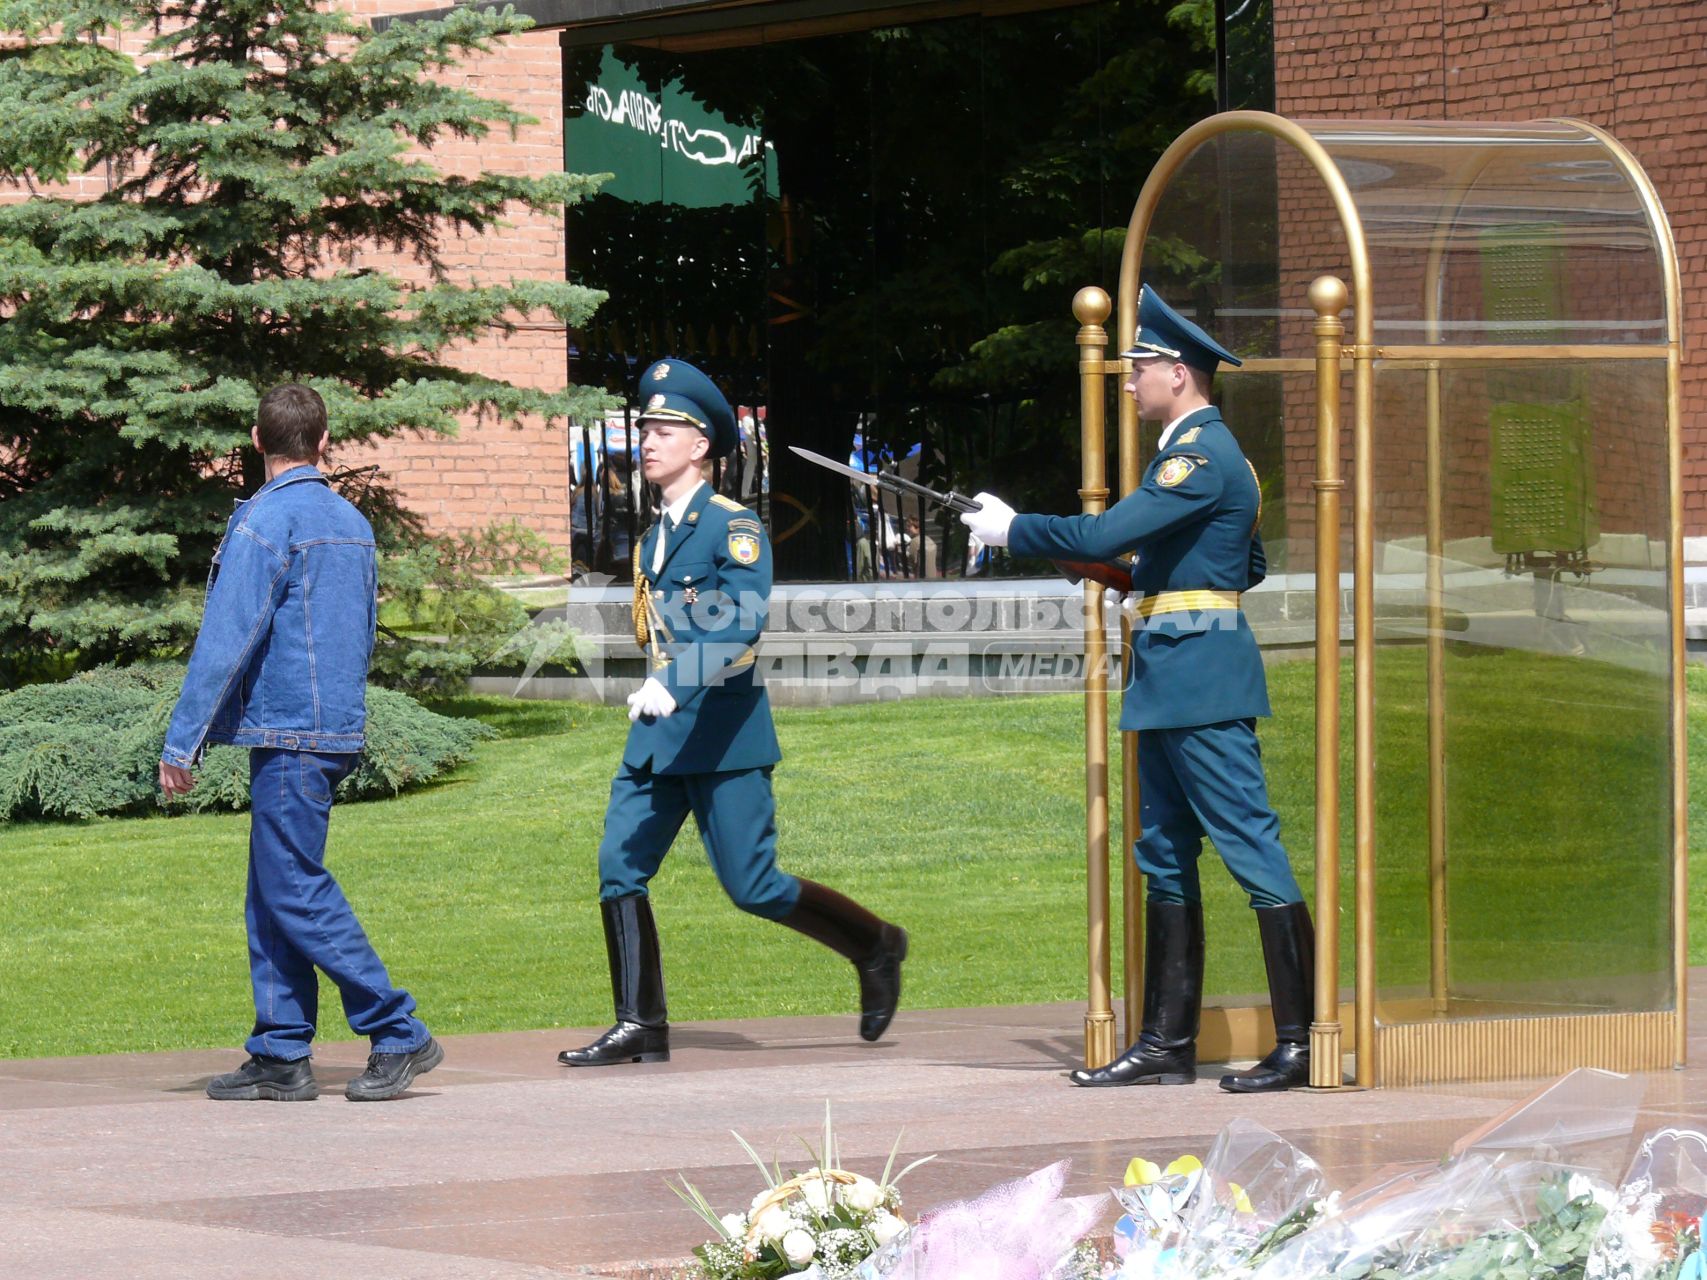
x=961, y=819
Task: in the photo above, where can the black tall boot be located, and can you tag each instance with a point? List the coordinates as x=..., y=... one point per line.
x=1289, y=954
x=1166, y=1049
x=875, y=946
x=642, y=1030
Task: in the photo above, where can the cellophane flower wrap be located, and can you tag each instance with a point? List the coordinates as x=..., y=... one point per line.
x=1252, y=1193
x=1653, y=1226
x=1522, y=1198
x=1020, y=1230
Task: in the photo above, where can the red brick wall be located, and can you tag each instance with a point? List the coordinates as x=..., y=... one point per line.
x=1634, y=67
x=491, y=471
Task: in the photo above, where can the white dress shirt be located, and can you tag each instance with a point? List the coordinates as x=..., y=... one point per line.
x=1168, y=430
x=672, y=517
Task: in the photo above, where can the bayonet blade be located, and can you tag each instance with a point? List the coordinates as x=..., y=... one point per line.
x=882, y=480
x=830, y=464
x=1113, y=573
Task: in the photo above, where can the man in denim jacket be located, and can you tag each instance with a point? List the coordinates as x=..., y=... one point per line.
x=280, y=666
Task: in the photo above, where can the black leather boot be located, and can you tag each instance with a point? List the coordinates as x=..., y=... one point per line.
x=1166, y=1050
x=1289, y=954
x=875, y=946
x=642, y=1030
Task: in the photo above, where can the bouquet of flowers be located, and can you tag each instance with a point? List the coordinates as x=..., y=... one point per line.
x=822, y=1222
x=1018, y=1230
x=1521, y=1198
x=1526, y=1221
x=1222, y=1217
x=1653, y=1226
x=1524, y=1197
x=1532, y=1195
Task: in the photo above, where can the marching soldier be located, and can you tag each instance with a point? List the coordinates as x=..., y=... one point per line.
x=702, y=739
x=1197, y=686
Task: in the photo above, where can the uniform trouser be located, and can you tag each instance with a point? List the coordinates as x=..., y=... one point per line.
x=736, y=816
x=1207, y=780
x=299, y=919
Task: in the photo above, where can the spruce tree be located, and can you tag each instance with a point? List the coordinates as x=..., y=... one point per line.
x=253, y=150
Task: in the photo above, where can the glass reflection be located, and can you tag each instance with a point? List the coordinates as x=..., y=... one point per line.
x=896, y=267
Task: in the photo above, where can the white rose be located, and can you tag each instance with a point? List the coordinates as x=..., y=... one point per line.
x=774, y=1223
x=798, y=1247
x=885, y=1226
x=734, y=1225
x=863, y=1195
x=816, y=1193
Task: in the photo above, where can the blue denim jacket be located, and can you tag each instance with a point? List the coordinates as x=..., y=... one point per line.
x=281, y=659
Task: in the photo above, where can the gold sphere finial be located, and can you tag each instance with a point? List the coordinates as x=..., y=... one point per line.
x=1091, y=305
x=1328, y=295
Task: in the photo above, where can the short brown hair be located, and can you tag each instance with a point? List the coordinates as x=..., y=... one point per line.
x=290, y=421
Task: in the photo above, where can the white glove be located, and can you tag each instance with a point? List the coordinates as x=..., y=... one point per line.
x=989, y=524
x=650, y=699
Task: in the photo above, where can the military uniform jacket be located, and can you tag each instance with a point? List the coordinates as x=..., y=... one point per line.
x=708, y=605
x=1191, y=526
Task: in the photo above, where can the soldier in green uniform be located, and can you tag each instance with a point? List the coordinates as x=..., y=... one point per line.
x=701, y=741
x=1197, y=687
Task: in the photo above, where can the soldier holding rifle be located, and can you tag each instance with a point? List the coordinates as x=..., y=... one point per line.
x=1197, y=687
x=1185, y=545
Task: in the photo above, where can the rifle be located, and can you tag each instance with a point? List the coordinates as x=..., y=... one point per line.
x=1107, y=573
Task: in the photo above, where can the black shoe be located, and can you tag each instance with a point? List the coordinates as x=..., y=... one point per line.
x=1143, y=1064
x=1289, y=954
x=1286, y=1067
x=1166, y=1051
x=642, y=1030
x=880, y=983
x=266, y=1080
x=389, y=1074
x=875, y=946
x=625, y=1042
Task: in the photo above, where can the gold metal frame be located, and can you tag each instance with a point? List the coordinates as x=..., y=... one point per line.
x=1410, y=1052
x=1091, y=307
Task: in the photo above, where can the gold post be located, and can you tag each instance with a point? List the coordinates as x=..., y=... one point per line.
x=1433, y=588
x=1363, y=685
x=1131, y=883
x=1679, y=708
x=1091, y=307
x=1131, y=821
x=1328, y=297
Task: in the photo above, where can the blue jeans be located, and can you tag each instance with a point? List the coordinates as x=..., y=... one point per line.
x=299, y=919
x=1207, y=780
x=736, y=815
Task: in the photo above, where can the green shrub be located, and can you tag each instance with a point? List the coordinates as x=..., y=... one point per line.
x=440, y=618
x=91, y=747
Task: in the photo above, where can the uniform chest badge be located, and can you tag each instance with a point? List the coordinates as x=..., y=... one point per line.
x=1173, y=471
x=743, y=548
x=690, y=595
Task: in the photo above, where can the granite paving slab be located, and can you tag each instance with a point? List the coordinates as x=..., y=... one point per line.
x=503, y=1164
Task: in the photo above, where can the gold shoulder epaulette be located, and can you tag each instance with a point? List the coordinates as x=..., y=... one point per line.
x=728, y=504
